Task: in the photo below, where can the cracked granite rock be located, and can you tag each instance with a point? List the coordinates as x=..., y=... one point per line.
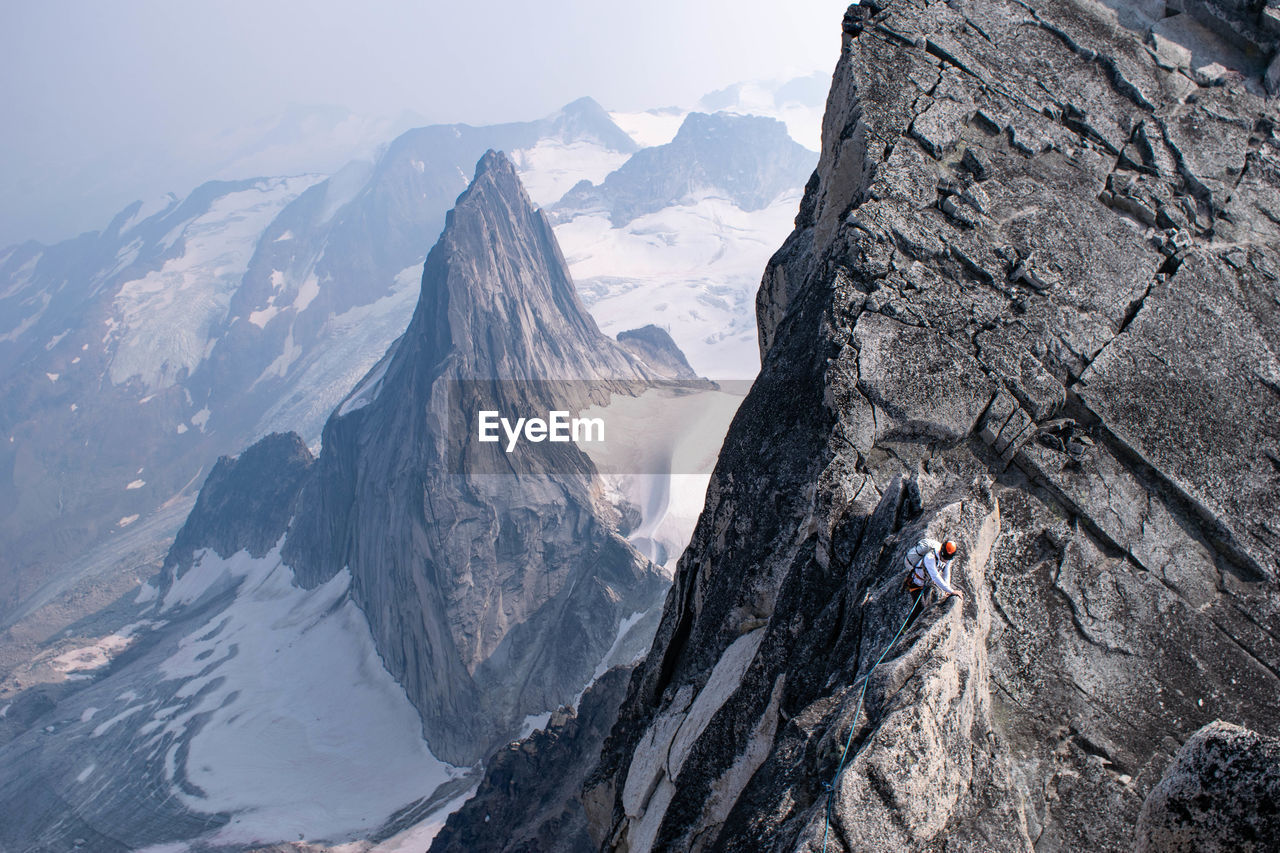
x=1222, y=793
x=1031, y=303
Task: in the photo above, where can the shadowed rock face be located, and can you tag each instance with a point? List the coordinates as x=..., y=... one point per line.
x=530, y=798
x=246, y=502
x=491, y=594
x=1221, y=793
x=1030, y=304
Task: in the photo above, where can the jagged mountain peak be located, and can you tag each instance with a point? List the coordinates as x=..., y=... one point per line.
x=495, y=183
x=585, y=118
x=497, y=296
x=747, y=159
x=503, y=570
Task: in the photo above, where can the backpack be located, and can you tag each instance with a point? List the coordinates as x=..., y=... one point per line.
x=915, y=557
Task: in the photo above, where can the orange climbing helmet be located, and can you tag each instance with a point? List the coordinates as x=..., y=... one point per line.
x=948, y=549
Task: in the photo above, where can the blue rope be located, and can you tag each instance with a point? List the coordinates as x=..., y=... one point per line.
x=866, y=679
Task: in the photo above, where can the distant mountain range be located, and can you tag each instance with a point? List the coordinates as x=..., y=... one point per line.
x=131, y=357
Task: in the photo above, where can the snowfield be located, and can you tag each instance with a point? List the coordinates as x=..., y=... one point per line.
x=289, y=720
x=692, y=269
x=167, y=318
x=549, y=169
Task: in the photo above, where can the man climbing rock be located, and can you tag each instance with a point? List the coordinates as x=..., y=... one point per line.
x=929, y=562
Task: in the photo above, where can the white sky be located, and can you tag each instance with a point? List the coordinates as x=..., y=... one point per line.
x=104, y=102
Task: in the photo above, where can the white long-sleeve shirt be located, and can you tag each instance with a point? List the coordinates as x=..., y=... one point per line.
x=938, y=574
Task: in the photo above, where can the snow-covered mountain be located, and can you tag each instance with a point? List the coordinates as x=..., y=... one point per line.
x=132, y=357
x=678, y=234
x=280, y=638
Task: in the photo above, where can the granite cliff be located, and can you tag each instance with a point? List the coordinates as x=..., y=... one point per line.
x=1030, y=304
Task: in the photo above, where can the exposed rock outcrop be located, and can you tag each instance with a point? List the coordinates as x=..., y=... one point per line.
x=1222, y=793
x=494, y=582
x=654, y=346
x=246, y=502
x=1030, y=303
x=530, y=798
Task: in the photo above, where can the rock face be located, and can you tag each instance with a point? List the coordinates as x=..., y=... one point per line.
x=1030, y=304
x=246, y=503
x=530, y=798
x=1220, y=794
x=751, y=159
x=494, y=582
x=655, y=348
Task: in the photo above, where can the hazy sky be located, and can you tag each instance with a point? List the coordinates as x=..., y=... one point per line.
x=101, y=97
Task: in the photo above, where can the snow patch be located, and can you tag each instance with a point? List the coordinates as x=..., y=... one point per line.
x=86, y=773
x=21, y=277
x=551, y=167
x=169, y=316
x=88, y=713
x=201, y=418
x=53, y=377
x=136, y=484
x=146, y=593
x=127, y=520
x=532, y=723
x=54, y=341
x=180, y=428
x=167, y=847
x=280, y=365
x=118, y=718
x=692, y=269
x=263, y=317
x=96, y=656
x=307, y=292
x=21, y=329
x=148, y=209
x=607, y=661
x=292, y=723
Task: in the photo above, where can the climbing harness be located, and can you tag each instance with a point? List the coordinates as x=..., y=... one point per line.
x=866, y=679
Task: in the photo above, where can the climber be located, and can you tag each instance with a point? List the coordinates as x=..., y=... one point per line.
x=929, y=562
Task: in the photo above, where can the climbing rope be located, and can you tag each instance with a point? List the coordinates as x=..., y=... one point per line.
x=866, y=679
